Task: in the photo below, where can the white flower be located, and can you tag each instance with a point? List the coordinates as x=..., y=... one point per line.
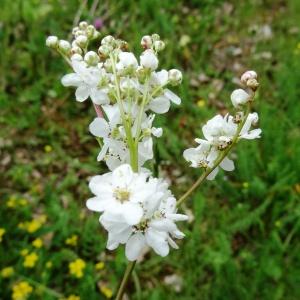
x=86, y=79
x=156, y=228
x=149, y=60
x=127, y=61
x=248, y=75
x=161, y=104
x=120, y=192
x=248, y=134
x=52, y=41
x=239, y=97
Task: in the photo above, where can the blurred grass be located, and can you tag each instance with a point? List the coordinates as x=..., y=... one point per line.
x=243, y=242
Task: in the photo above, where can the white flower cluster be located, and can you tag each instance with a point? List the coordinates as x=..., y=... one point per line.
x=220, y=132
x=138, y=210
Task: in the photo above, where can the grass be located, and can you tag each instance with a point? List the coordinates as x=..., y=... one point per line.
x=242, y=242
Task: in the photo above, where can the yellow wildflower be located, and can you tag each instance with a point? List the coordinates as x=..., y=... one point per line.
x=245, y=185
x=23, y=202
x=12, y=202
x=76, y=267
x=37, y=243
x=2, y=231
x=49, y=264
x=7, y=272
x=48, y=149
x=201, y=103
x=33, y=226
x=73, y=297
x=30, y=260
x=106, y=291
x=21, y=290
x=99, y=266
x=72, y=241
x=24, y=252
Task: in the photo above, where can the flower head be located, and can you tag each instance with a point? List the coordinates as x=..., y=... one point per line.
x=21, y=290
x=77, y=267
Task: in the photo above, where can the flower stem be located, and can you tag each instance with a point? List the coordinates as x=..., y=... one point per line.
x=217, y=162
x=125, y=279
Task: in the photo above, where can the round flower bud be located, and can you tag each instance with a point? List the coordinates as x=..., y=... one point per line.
x=90, y=30
x=239, y=97
x=74, y=30
x=175, y=77
x=83, y=25
x=79, y=33
x=146, y=42
x=91, y=58
x=52, y=41
x=96, y=35
x=159, y=46
x=149, y=60
x=155, y=37
x=105, y=50
x=82, y=41
x=76, y=50
x=64, y=46
x=252, y=84
x=108, y=40
x=248, y=75
x=77, y=57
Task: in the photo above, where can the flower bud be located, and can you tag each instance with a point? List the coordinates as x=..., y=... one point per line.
x=83, y=25
x=108, y=40
x=105, y=50
x=175, y=77
x=76, y=57
x=252, y=84
x=64, y=46
x=155, y=37
x=91, y=58
x=149, y=60
x=82, y=41
x=74, y=30
x=146, y=42
x=90, y=30
x=248, y=75
x=159, y=46
x=52, y=41
x=76, y=50
x=79, y=33
x=239, y=97
x=96, y=35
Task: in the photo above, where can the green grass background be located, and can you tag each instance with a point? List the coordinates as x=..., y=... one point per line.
x=244, y=240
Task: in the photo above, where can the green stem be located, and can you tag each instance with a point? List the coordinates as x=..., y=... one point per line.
x=125, y=279
x=217, y=162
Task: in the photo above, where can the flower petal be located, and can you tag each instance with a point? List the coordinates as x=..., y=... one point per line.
x=173, y=97
x=71, y=80
x=99, y=127
x=132, y=213
x=99, y=97
x=227, y=164
x=160, y=105
x=134, y=246
x=96, y=204
x=82, y=93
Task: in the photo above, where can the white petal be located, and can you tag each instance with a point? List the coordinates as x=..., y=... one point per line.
x=82, y=93
x=239, y=97
x=71, y=80
x=99, y=128
x=227, y=164
x=253, y=134
x=163, y=225
x=134, y=246
x=177, y=217
x=158, y=241
x=172, y=243
x=122, y=176
x=160, y=105
x=96, y=204
x=103, y=152
x=213, y=174
x=99, y=97
x=173, y=97
x=132, y=213
x=162, y=77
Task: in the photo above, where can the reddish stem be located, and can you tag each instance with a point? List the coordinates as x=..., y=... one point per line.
x=98, y=110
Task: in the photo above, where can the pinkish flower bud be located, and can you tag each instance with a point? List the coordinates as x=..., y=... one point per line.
x=247, y=76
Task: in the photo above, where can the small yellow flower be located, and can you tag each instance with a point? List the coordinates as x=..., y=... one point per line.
x=33, y=226
x=106, y=291
x=7, y=272
x=73, y=297
x=24, y=252
x=72, y=241
x=12, y=202
x=99, y=266
x=23, y=202
x=201, y=103
x=48, y=149
x=2, y=232
x=37, y=243
x=30, y=260
x=21, y=290
x=76, y=267
x=49, y=264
